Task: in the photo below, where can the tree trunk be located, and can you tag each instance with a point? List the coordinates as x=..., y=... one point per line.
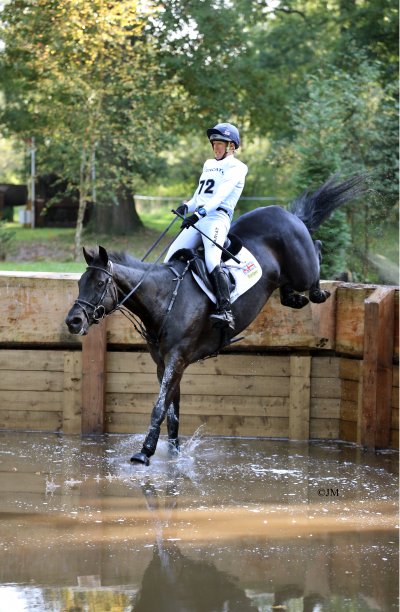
x=79, y=226
x=120, y=218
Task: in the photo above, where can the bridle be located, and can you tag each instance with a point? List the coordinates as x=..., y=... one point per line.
x=99, y=311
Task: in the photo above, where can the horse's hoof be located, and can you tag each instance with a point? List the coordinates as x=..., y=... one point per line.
x=294, y=300
x=173, y=447
x=319, y=296
x=140, y=458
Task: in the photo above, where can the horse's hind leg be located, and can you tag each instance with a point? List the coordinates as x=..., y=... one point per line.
x=292, y=299
x=316, y=294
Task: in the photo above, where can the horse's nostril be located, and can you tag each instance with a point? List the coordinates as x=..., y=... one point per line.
x=74, y=322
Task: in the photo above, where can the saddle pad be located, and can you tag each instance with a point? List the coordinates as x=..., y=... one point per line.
x=245, y=275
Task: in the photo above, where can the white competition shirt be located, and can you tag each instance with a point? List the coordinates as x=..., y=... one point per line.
x=221, y=184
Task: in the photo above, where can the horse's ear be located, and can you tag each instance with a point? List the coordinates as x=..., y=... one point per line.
x=103, y=256
x=88, y=255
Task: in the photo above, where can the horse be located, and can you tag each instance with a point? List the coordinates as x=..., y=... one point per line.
x=173, y=311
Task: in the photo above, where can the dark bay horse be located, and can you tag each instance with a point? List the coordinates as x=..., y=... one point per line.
x=178, y=330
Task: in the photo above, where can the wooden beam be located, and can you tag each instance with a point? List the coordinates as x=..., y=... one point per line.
x=299, y=398
x=72, y=396
x=378, y=368
x=94, y=351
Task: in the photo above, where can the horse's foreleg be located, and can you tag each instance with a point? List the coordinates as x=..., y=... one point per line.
x=173, y=421
x=169, y=385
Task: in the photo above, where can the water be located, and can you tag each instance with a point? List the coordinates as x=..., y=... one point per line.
x=229, y=524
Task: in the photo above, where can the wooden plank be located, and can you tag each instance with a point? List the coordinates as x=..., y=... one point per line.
x=275, y=326
x=325, y=408
x=394, y=438
x=202, y=404
x=350, y=390
x=395, y=397
x=349, y=369
x=299, y=408
x=213, y=425
x=72, y=396
x=378, y=363
x=30, y=420
x=324, y=429
x=395, y=376
x=325, y=387
x=395, y=419
x=350, y=318
x=349, y=411
x=348, y=431
x=203, y=385
x=94, y=351
x=255, y=365
x=47, y=401
x=325, y=367
x=31, y=380
x=27, y=300
x=28, y=359
x=396, y=326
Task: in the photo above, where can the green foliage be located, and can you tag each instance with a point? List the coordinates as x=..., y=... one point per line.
x=133, y=86
x=347, y=125
x=335, y=237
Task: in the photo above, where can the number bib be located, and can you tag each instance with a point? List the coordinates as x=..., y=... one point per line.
x=220, y=183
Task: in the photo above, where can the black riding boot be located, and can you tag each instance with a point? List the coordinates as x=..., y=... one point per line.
x=223, y=317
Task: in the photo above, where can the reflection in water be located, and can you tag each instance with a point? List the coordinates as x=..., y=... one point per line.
x=228, y=525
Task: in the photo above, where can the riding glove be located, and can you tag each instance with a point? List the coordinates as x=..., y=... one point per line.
x=190, y=221
x=182, y=209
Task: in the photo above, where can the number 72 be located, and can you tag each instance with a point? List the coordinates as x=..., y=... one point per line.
x=209, y=183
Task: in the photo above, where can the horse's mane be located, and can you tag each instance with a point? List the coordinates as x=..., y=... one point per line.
x=122, y=258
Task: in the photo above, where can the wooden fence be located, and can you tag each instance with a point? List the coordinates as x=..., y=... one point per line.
x=326, y=371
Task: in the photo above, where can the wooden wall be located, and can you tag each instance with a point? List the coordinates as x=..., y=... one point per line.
x=296, y=374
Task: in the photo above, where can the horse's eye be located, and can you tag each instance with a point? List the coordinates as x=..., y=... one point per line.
x=100, y=283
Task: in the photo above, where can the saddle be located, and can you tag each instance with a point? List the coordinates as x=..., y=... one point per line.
x=197, y=264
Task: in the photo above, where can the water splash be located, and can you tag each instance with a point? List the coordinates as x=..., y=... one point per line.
x=189, y=447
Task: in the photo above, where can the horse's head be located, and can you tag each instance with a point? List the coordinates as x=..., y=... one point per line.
x=97, y=293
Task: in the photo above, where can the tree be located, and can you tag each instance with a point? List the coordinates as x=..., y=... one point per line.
x=348, y=125
x=84, y=81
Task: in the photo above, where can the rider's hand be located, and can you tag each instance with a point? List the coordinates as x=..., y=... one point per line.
x=190, y=221
x=182, y=210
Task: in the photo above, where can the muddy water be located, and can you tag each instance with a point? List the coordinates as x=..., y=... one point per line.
x=228, y=525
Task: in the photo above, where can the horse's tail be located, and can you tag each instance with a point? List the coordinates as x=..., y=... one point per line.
x=313, y=208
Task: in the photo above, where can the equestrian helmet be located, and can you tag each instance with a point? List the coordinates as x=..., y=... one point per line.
x=226, y=132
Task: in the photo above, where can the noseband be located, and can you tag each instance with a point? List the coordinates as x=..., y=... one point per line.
x=99, y=311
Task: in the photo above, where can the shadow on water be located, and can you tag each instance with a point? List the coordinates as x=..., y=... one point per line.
x=227, y=525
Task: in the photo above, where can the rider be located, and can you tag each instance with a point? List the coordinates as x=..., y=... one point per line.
x=220, y=186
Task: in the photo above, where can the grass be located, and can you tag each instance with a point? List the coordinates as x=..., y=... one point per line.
x=52, y=249
x=41, y=266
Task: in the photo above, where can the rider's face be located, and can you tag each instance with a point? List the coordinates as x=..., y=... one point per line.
x=220, y=148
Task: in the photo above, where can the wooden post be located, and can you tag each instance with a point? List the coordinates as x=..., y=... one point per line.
x=72, y=395
x=378, y=368
x=94, y=351
x=299, y=398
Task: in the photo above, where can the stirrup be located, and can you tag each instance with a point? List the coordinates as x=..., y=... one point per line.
x=223, y=318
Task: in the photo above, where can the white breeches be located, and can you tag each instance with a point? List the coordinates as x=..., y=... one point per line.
x=216, y=225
